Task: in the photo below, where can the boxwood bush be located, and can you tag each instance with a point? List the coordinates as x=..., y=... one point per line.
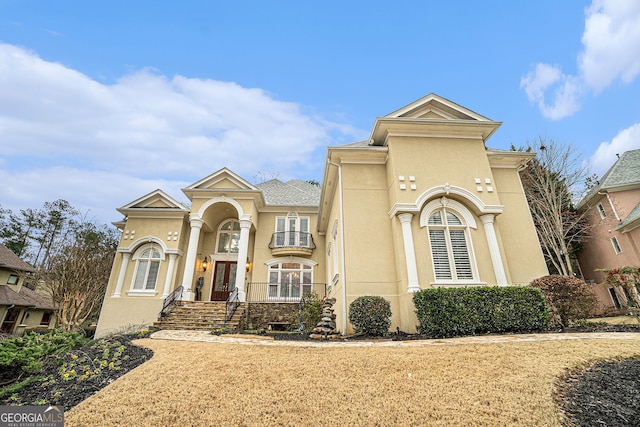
x=370, y=315
x=450, y=312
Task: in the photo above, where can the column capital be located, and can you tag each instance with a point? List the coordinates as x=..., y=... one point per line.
x=195, y=221
x=245, y=221
x=487, y=218
x=405, y=217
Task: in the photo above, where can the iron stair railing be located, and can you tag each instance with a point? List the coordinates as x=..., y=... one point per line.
x=170, y=302
x=232, y=304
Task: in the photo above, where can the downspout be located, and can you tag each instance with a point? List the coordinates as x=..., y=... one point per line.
x=342, y=270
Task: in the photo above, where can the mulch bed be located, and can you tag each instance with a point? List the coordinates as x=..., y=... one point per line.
x=68, y=380
x=603, y=394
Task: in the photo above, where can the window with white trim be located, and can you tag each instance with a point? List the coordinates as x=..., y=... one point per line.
x=289, y=281
x=228, y=237
x=601, y=211
x=292, y=231
x=450, y=246
x=147, y=260
x=616, y=245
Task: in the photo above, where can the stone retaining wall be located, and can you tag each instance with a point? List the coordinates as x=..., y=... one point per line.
x=271, y=315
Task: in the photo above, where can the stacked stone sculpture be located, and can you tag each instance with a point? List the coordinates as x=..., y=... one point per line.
x=326, y=328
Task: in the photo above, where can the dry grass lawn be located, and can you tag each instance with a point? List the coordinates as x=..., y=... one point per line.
x=213, y=384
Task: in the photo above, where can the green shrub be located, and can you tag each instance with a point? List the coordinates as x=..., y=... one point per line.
x=449, y=312
x=310, y=312
x=28, y=351
x=569, y=297
x=370, y=315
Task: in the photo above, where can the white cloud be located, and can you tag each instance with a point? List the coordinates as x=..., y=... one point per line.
x=605, y=155
x=65, y=135
x=611, y=50
x=611, y=43
x=566, y=94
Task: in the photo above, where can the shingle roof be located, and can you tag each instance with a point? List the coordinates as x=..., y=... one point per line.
x=25, y=298
x=625, y=171
x=11, y=261
x=633, y=215
x=291, y=193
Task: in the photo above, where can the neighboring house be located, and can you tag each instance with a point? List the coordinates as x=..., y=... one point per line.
x=614, y=215
x=422, y=203
x=20, y=307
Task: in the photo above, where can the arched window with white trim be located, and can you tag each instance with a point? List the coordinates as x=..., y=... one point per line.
x=448, y=224
x=228, y=237
x=147, y=258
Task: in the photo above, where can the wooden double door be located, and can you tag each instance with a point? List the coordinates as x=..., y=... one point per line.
x=224, y=280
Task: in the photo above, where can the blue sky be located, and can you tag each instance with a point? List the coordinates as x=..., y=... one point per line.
x=103, y=102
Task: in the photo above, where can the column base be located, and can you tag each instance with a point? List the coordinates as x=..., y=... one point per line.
x=413, y=289
x=242, y=296
x=188, y=295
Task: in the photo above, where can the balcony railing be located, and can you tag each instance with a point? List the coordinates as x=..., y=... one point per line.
x=292, y=239
x=282, y=292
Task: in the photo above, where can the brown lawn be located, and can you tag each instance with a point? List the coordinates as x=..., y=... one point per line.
x=214, y=384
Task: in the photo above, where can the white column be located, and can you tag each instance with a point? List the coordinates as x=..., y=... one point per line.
x=190, y=259
x=409, y=252
x=123, y=269
x=167, y=280
x=494, y=249
x=243, y=250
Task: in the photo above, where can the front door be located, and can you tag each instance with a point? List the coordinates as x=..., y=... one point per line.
x=224, y=280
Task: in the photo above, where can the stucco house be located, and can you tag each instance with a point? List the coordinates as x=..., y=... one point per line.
x=614, y=216
x=21, y=308
x=422, y=203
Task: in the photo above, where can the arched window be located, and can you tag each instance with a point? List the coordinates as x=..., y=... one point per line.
x=289, y=280
x=228, y=237
x=448, y=225
x=147, y=259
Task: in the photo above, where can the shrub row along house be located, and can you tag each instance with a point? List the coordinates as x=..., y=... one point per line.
x=20, y=307
x=422, y=203
x=614, y=218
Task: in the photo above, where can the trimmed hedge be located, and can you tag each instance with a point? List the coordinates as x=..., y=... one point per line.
x=370, y=315
x=570, y=298
x=450, y=312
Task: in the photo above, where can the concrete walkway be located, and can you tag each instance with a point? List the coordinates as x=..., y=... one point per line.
x=206, y=336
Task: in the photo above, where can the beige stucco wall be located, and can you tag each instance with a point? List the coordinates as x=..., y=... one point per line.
x=520, y=247
x=120, y=314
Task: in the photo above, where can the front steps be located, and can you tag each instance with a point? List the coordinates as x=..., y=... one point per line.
x=200, y=316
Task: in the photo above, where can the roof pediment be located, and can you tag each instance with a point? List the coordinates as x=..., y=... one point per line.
x=156, y=200
x=433, y=106
x=433, y=115
x=223, y=179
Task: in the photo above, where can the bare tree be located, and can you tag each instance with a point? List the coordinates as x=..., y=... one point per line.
x=552, y=181
x=76, y=273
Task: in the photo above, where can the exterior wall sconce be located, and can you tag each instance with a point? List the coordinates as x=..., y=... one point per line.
x=205, y=264
x=248, y=266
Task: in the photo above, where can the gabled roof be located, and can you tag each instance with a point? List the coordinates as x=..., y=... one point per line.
x=11, y=261
x=625, y=171
x=25, y=298
x=623, y=175
x=224, y=178
x=291, y=193
x=434, y=106
x=435, y=115
x=631, y=222
x=157, y=199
